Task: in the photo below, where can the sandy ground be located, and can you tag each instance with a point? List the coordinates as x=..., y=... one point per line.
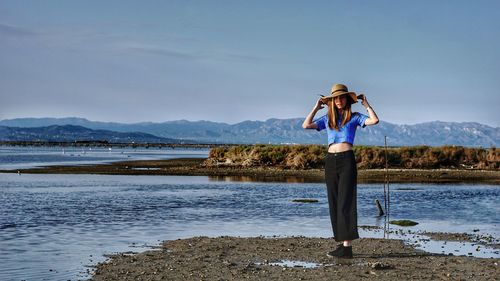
x=193, y=167
x=258, y=258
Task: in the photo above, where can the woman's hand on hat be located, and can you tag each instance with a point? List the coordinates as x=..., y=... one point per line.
x=319, y=104
x=364, y=101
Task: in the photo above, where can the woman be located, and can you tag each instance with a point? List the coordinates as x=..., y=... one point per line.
x=340, y=165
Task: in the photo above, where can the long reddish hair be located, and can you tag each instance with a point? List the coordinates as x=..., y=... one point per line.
x=333, y=114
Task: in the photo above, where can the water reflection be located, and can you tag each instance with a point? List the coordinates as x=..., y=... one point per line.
x=284, y=179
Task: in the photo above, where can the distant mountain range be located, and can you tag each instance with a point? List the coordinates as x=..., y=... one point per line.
x=71, y=133
x=270, y=131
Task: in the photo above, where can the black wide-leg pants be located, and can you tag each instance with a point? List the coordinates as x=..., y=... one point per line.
x=341, y=180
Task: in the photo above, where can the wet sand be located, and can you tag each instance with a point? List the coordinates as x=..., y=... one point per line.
x=195, y=167
x=478, y=239
x=258, y=258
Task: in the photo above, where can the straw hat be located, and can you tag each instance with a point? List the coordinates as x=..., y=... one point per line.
x=339, y=90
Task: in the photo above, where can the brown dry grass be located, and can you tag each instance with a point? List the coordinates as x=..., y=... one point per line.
x=368, y=157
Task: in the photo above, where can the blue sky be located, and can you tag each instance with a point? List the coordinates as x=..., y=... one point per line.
x=230, y=61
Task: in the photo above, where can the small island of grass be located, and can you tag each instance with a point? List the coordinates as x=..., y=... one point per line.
x=403, y=222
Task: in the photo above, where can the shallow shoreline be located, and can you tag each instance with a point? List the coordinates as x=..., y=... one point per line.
x=194, y=167
x=260, y=258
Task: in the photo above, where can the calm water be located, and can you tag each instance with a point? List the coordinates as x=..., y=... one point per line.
x=33, y=156
x=52, y=227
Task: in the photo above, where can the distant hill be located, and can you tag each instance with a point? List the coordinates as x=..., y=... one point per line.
x=289, y=131
x=71, y=133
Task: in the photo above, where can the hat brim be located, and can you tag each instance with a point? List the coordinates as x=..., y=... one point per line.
x=352, y=95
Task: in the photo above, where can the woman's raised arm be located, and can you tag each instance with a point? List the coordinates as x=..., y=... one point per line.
x=308, y=122
x=372, y=116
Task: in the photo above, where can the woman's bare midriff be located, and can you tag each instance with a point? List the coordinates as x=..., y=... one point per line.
x=339, y=147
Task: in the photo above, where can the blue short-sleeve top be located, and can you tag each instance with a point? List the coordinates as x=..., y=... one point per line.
x=345, y=133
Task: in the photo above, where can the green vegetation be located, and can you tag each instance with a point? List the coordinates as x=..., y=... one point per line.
x=367, y=157
x=404, y=222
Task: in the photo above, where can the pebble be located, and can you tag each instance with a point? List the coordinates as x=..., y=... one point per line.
x=379, y=266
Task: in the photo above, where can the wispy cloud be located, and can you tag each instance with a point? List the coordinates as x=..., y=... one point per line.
x=155, y=50
x=85, y=40
x=88, y=40
x=15, y=31
x=200, y=55
x=239, y=57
